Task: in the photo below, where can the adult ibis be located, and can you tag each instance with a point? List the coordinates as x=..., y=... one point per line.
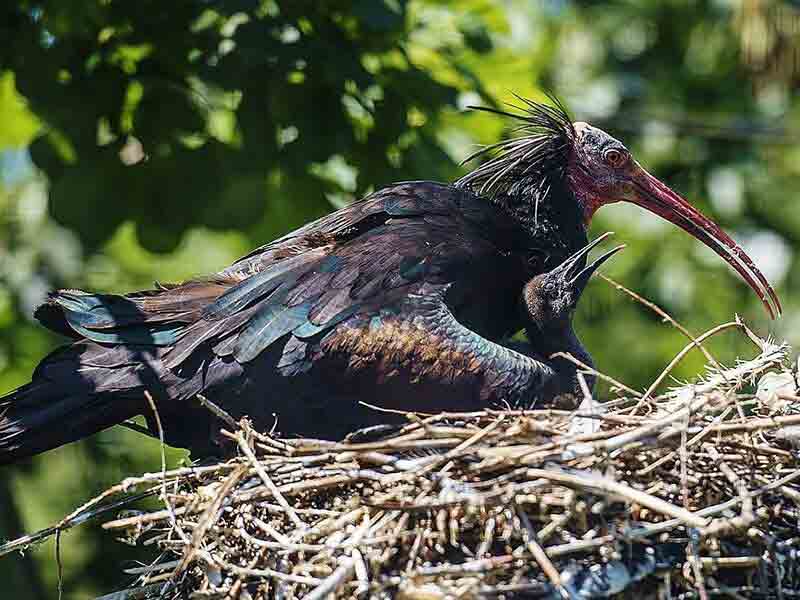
x=402, y=300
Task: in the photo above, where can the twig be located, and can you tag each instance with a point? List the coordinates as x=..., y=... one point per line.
x=698, y=437
x=604, y=485
x=76, y=518
x=248, y=452
x=547, y=566
x=210, y=516
x=663, y=314
x=173, y=519
x=342, y=573
x=218, y=412
x=678, y=358
x=589, y=370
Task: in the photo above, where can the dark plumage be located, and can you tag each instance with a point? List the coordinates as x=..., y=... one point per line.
x=400, y=300
x=526, y=163
x=549, y=302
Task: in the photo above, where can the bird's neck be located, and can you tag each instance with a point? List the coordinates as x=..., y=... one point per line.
x=561, y=339
x=547, y=210
x=551, y=344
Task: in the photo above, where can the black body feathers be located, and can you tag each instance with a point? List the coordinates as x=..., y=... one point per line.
x=399, y=299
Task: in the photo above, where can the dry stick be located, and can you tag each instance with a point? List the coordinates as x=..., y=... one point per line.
x=297, y=547
x=329, y=585
x=606, y=486
x=667, y=317
x=487, y=537
x=327, y=526
x=665, y=526
x=151, y=568
x=684, y=460
x=239, y=497
x=460, y=449
x=710, y=511
x=547, y=566
x=746, y=517
x=270, y=530
x=345, y=570
x=628, y=437
x=362, y=574
x=248, y=452
x=77, y=517
x=209, y=517
x=217, y=411
x=663, y=314
x=80, y=514
x=305, y=447
x=472, y=440
x=60, y=566
x=587, y=393
x=172, y=518
x=265, y=573
x=591, y=371
x=678, y=358
x=556, y=523
x=542, y=413
x=233, y=591
x=470, y=567
x=705, y=431
x=758, y=424
x=730, y=562
x=697, y=570
x=358, y=561
x=771, y=356
x=146, y=592
x=160, y=428
x=394, y=411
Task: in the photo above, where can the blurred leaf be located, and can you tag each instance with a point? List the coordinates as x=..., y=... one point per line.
x=18, y=125
x=380, y=15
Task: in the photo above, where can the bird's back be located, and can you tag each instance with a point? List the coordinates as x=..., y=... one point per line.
x=274, y=323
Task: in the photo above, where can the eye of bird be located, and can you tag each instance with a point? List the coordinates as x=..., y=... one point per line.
x=614, y=157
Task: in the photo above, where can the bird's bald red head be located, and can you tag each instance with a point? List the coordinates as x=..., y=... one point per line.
x=601, y=170
x=596, y=169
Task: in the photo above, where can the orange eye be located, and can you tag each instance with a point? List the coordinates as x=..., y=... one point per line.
x=613, y=157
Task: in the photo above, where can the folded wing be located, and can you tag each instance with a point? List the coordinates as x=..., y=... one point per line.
x=361, y=260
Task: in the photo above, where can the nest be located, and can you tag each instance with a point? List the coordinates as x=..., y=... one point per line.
x=690, y=493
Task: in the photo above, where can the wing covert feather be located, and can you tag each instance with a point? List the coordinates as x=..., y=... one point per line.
x=368, y=257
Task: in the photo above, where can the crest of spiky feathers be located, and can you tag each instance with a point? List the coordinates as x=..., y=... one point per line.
x=536, y=150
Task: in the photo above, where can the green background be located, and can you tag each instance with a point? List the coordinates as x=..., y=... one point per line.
x=256, y=116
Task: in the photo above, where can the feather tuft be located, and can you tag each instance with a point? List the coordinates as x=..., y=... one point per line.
x=547, y=135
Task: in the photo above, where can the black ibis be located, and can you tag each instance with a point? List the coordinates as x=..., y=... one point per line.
x=549, y=301
x=402, y=300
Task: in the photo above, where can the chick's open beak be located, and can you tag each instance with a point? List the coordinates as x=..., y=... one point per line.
x=578, y=277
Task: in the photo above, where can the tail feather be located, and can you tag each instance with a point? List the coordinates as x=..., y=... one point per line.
x=99, y=380
x=129, y=318
x=37, y=417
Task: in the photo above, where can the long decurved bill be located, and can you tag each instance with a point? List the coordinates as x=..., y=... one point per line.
x=653, y=195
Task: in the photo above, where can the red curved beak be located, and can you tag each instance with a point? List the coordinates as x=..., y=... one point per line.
x=653, y=195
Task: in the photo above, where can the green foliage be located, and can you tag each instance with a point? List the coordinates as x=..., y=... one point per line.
x=168, y=141
x=225, y=93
